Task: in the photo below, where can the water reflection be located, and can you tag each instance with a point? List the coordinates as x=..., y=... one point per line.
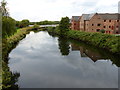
x=47, y=62
x=9, y=79
x=63, y=46
x=88, y=53
x=94, y=53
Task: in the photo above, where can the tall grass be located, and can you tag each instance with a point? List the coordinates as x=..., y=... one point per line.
x=105, y=41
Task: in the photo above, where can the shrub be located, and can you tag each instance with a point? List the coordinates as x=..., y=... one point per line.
x=24, y=23
x=108, y=42
x=35, y=27
x=102, y=31
x=8, y=26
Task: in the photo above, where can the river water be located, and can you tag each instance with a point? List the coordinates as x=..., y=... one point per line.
x=46, y=61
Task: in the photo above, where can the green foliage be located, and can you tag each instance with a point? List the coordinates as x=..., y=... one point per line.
x=46, y=22
x=105, y=41
x=102, y=31
x=8, y=78
x=18, y=24
x=35, y=27
x=8, y=26
x=64, y=46
x=23, y=23
x=64, y=25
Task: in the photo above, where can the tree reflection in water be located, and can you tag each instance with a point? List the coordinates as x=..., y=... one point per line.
x=64, y=46
x=86, y=50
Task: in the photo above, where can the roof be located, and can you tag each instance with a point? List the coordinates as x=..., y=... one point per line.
x=75, y=18
x=85, y=17
x=109, y=16
x=104, y=16
x=91, y=15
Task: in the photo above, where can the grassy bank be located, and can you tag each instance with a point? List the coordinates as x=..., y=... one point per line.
x=104, y=41
x=10, y=42
x=9, y=78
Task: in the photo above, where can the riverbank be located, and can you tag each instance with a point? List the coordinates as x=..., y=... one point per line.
x=104, y=41
x=9, y=78
x=10, y=42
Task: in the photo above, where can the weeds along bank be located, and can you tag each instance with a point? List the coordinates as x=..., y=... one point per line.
x=105, y=41
x=10, y=42
x=9, y=78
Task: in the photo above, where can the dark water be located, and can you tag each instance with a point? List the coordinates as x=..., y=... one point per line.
x=44, y=61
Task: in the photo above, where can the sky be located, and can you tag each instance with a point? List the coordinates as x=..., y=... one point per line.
x=39, y=10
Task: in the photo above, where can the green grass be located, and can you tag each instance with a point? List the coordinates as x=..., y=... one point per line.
x=105, y=41
x=8, y=78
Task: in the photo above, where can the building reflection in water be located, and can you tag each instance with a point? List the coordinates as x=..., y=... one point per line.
x=84, y=52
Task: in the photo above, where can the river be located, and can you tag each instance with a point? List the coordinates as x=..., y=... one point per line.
x=46, y=61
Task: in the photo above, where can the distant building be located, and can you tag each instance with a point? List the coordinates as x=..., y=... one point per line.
x=97, y=22
x=75, y=22
x=119, y=15
x=84, y=21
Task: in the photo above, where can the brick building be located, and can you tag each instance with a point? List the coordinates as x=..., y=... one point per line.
x=109, y=22
x=75, y=22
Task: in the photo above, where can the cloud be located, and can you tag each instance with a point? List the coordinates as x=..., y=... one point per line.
x=37, y=10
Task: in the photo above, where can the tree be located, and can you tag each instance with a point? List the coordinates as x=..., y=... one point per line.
x=24, y=23
x=64, y=46
x=17, y=24
x=64, y=25
x=4, y=9
x=8, y=23
x=36, y=27
x=8, y=26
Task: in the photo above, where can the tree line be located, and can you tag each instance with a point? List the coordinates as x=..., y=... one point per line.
x=10, y=25
x=46, y=22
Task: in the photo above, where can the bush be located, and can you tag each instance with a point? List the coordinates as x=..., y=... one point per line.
x=24, y=23
x=8, y=26
x=102, y=31
x=35, y=27
x=108, y=42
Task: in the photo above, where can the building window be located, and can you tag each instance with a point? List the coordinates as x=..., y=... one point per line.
x=104, y=20
x=98, y=24
x=117, y=32
x=104, y=26
x=109, y=26
x=92, y=24
x=98, y=30
x=109, y=20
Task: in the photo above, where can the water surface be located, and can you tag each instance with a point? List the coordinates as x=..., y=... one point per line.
x=44, y=61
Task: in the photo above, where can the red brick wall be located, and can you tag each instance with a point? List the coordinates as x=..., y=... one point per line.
x=75, y=25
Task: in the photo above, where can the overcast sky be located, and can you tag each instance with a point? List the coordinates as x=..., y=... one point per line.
x=38, y=10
